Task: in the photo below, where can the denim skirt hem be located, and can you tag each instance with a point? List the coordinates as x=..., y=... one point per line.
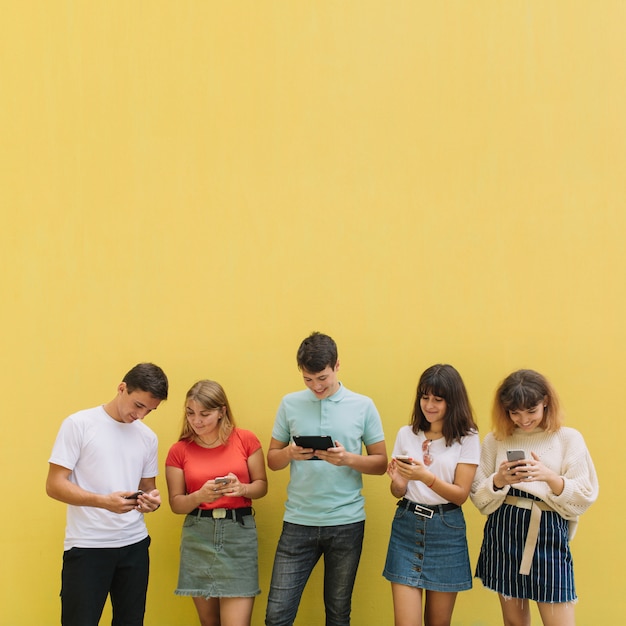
x=426, y=585
x=201, y=593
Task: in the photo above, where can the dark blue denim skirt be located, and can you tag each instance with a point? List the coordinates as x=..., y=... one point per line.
x=430, y=553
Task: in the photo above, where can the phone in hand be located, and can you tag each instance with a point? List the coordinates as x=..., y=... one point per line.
x=223, y=480
x=133, y=496
x=515, y=455
x=403, y=458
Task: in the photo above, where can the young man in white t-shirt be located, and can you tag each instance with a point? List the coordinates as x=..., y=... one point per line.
x=103, y=466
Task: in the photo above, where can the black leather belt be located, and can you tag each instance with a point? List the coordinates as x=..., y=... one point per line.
x=236, y=514
x=426, y=510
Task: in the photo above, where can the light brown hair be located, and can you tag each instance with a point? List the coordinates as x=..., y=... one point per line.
x=523, y=390
x=211, y=396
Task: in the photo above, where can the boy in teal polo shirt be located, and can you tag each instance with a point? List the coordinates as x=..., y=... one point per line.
x=324, y=513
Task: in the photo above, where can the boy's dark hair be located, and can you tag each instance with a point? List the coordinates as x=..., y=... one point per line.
x=147, y=377
x=316, y=353
x=445, y=382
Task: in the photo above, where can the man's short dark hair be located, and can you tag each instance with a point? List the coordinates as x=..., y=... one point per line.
x=316, y=353
x=147, y=377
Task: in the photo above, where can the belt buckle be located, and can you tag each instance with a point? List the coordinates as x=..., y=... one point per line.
x=219, y=513
x=423, y=511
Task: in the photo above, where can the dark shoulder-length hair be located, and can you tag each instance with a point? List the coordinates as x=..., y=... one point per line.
x=445, y=382
x=523, y=390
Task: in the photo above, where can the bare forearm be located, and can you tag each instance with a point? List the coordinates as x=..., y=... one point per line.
x=186, y=503
x=278, y=458
x=398, y=488
x=69, y=493
x=255, y=490
x=452, y=493
x=368, y=463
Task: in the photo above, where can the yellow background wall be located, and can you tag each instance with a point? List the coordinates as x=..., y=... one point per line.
x=202, y=184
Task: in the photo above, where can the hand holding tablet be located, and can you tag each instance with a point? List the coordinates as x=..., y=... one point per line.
x=316, y=442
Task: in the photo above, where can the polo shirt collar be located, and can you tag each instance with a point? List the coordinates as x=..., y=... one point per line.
x=336, y=397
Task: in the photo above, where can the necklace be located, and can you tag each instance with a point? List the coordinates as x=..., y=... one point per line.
x=208, y=445
x=433, y=435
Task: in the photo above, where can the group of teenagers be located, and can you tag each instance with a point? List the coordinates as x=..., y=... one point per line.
x=532, y=477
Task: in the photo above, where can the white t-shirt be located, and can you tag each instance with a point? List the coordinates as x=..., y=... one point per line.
x=104, y=456
x=445, y=460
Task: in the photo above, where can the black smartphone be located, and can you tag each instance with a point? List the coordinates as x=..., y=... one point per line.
x=133, y=496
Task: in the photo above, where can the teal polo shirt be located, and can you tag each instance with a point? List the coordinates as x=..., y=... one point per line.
x=321, y=494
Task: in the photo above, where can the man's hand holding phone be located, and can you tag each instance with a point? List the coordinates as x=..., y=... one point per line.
x=144, y=502
x=133, y=496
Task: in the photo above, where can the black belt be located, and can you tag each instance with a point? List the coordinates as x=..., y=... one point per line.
x=426, y=510
x=236, y=514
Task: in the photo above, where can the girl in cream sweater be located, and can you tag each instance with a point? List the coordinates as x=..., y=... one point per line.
x=532, y=505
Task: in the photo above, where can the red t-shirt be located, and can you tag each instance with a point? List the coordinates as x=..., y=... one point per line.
x=201, y=464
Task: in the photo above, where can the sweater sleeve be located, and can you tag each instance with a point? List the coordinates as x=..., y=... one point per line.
x=485, y=498
x=579, y=475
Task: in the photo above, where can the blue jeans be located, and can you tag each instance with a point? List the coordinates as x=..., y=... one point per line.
x=299, y=549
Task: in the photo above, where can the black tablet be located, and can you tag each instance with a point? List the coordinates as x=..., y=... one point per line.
x=317, y=442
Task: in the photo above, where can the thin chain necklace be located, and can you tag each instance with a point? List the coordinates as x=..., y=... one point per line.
x=430, y=433
x=208, y=445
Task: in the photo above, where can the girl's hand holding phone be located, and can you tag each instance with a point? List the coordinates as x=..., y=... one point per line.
x=410, y=469
x=510, y=473
x=212, y=490
x=234, y=489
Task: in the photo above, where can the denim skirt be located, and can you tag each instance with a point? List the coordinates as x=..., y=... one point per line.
x=430, y=553
x=218, y=558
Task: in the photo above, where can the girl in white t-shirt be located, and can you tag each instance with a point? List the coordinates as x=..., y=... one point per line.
x=435, y=459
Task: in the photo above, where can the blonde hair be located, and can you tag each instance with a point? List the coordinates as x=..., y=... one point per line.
x=523, y=390
x=211, y=396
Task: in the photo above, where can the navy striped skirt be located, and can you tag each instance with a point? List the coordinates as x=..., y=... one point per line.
x=551, y=577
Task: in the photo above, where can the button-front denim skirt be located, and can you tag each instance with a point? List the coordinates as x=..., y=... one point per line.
x=430, y=553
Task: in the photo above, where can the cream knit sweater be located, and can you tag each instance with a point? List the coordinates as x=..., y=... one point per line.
x=564, y=452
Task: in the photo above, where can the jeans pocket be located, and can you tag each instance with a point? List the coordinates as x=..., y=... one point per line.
x=189, y=521
x=401, y=512
x=453, y=519
x=248, y=521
